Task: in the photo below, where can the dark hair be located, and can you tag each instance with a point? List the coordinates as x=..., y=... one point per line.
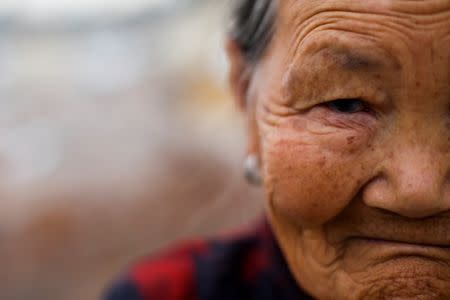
x=252, y=26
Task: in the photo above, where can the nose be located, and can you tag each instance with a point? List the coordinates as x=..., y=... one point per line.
x=413, y=183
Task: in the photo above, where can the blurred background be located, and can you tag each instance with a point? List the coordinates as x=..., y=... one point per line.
x=118, y=137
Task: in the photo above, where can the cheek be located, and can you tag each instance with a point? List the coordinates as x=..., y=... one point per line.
x=311, y=176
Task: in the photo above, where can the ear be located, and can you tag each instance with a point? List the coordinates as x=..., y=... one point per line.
x=239, y=75
x=240, y=78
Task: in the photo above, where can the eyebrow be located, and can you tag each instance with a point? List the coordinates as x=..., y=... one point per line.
x=352, y=60
x=335, y=57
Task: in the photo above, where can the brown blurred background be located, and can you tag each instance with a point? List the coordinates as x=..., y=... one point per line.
x=118, y=137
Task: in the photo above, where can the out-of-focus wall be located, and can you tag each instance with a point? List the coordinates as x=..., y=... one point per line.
x=117, y=137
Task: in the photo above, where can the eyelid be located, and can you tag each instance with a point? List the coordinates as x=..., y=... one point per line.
x=366, y=106
x=376, y=100
x=360, y=100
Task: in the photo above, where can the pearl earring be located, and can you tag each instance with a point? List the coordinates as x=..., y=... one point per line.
x=252, y=170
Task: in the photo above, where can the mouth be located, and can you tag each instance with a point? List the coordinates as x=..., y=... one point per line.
x=404, y=243
x=366, y=234
x=386, y=249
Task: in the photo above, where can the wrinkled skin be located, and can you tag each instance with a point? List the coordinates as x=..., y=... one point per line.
x=358, y=191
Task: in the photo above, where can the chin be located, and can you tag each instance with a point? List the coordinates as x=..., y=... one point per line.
x=408, y=277
x=401, y=277
x=405, y=288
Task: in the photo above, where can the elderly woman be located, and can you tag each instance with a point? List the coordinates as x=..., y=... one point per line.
x=348, y=109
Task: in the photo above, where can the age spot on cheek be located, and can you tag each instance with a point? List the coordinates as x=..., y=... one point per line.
x=353, y=144
x=350, y=140
x=322, y=161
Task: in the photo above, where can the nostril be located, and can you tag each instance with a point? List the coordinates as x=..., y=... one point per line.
x=447, y=178
x=378, y=193
x=389, y=213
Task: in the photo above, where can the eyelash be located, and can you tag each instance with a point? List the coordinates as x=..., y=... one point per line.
x=348, y=106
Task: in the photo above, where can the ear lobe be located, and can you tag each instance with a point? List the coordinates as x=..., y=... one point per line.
x=239, y=74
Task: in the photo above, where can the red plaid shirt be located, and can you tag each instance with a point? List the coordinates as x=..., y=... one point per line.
x=244, y=267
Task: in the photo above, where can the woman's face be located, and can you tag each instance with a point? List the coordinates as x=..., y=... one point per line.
x=350, y=114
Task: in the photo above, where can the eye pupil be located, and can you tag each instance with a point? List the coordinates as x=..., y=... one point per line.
x=347, y=106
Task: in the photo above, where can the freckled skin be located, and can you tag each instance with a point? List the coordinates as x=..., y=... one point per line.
x=332, y=177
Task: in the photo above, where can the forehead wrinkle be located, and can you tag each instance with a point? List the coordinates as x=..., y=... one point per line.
x=302, y=14
x=329, y=20
x=422, y=7
x=416, y=7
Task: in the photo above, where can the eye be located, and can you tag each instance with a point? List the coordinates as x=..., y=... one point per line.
x=347, y=106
